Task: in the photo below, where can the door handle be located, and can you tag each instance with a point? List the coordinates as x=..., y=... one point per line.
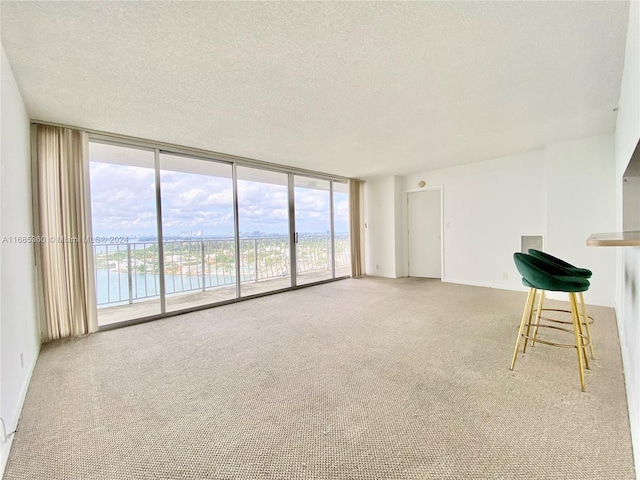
x=295, y=239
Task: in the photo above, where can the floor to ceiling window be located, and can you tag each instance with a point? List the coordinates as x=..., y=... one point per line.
x=263, y=218
x=198, y=231
x=175, y=231
x=342, y=258
x=124, y=223
x=313, y=229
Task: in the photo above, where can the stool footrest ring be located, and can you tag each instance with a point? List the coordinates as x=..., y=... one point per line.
x=563, y=311
x=537, y=339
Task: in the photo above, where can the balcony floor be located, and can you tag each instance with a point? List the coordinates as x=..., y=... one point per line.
x=109, y=315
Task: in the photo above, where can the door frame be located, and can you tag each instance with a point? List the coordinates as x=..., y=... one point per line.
x=440, y=188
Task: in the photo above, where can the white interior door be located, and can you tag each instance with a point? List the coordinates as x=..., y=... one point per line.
x=424, y=224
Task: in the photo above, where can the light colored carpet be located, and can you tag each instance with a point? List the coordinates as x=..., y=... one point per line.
x=357, y=379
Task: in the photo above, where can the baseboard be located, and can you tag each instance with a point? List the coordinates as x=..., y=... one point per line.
x=13, y=423
x=588, y=300
x=630, y=387
x=380, y=275
x=6, y=448
x=486, y=285
x=551, y=295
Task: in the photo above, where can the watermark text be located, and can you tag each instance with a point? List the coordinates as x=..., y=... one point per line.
x=62, y=239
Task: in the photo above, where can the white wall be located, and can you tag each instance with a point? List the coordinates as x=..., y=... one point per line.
x=628, y=275
x=487, y=206
x=384, y=227
x=564, y=192
x=580, y=178
x=19, y=330
x=399, y=227
x=379, y=233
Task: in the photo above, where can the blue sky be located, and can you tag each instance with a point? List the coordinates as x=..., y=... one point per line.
x=123, y=204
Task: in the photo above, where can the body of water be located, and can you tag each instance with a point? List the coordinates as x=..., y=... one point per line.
x=112, y=287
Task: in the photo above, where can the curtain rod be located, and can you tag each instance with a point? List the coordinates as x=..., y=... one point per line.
x=195, y=151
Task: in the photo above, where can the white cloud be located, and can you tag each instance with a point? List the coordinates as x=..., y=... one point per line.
x=123, y=203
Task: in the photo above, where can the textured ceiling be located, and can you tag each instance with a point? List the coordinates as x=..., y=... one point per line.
x=355, y=89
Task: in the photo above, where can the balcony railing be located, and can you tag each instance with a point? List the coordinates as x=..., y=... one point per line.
x=128, y=272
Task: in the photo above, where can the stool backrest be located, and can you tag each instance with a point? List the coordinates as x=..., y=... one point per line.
x=575, y=271
x=547, y=276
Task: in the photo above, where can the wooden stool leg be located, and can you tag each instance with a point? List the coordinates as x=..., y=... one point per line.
x=576, y=331
x=525, y=315
x=586, y=322
x=535, y=330
x=529, y=324
x=584, y=339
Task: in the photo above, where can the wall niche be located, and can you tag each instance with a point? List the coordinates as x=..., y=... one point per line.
x=631, y=193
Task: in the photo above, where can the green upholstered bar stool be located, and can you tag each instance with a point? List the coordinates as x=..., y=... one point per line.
x=573, y=271
x=540, y=275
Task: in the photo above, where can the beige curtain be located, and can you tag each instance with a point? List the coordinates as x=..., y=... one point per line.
x=356, y=226
x=65, y=258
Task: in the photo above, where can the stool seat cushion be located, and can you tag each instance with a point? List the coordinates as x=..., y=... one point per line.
x=539, y=274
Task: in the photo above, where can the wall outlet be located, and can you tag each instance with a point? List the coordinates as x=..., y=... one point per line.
x=377, y=267
x=505, y=276
x=21, y=360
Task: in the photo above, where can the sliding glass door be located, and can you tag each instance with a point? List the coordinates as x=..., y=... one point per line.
x=198, y=231
x=263, y=219
x=313, y=230
x=175, y=232
x=124, y=223
x=342, y=256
